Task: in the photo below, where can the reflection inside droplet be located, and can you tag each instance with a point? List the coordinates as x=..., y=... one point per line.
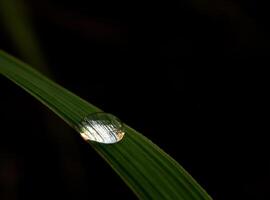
x=102, y=127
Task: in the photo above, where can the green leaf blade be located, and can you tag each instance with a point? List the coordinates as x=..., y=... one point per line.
x=145, y=168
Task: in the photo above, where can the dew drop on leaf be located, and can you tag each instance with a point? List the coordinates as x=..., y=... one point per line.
x=102, y=128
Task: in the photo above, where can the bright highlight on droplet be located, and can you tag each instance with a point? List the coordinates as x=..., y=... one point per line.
x=102, y=127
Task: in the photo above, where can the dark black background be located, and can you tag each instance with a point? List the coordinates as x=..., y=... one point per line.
x=189, y=75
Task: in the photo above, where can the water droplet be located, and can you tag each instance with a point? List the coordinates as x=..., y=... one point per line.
x=102, y=127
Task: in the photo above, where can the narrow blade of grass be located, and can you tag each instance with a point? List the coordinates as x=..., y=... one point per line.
x=145, y=168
